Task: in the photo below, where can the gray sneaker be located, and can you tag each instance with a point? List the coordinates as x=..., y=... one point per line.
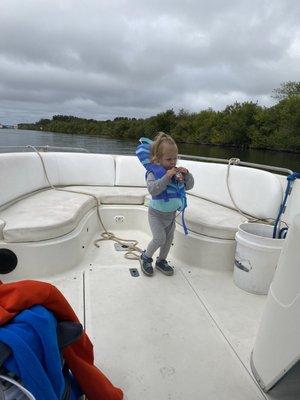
x=164, y=267
x=146, y=264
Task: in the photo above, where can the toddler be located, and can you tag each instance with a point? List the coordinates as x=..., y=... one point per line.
x=167, y=184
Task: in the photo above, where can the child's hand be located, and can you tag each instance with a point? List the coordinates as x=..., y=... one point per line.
x=171, y=172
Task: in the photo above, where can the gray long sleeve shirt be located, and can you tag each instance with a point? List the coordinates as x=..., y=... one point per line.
x=156, y=186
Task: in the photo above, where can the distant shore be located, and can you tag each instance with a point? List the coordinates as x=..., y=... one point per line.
x=233, y=146
x=96, y=143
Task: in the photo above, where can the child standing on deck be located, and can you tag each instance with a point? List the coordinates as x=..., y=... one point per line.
x=167, y=184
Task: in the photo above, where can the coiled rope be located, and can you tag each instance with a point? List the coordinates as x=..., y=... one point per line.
x=130, y=244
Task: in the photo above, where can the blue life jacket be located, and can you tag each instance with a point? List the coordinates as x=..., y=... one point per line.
x=173, y=197
x=143, y=151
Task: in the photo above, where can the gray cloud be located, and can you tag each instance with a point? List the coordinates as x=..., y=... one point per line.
x=102, y=59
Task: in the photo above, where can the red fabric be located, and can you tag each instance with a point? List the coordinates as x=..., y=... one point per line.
x=17, y=296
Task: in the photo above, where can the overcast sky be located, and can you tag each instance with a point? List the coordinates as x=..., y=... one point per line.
x=107, y=58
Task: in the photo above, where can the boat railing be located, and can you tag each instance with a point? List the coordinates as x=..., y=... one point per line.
x=239, y=162
x=44, y=148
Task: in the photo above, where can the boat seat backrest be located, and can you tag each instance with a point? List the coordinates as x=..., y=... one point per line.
x=129, y=171
x=22, y=173
x=256, y=192
x=80, y=169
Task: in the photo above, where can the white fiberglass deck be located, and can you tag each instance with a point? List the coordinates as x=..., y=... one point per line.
x=183, y=337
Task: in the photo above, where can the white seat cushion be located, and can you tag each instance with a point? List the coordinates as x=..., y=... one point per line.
x=129, y=171
x=256, y=192
x=114, y=195
x=211, y=219
x=207, y=218
x=80, y=169
x=44, y=215
x=20, y=174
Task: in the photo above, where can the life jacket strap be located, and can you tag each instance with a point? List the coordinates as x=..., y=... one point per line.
x=183, y=223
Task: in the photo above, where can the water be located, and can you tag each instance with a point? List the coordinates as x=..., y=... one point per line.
x=281, y=159
x=94, y=144
x=97, y=144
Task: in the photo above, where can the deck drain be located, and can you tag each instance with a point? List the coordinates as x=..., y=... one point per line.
x=134, y=272
x=121, y=247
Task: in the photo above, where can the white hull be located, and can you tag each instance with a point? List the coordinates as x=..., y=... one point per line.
x=189, y=336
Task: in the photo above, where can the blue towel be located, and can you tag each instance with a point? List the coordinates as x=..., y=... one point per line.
x=36, y=359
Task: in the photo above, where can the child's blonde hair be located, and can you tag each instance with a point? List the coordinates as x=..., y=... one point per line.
x=157, y=147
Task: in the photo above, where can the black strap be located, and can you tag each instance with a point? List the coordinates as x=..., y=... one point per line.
x=68, y=332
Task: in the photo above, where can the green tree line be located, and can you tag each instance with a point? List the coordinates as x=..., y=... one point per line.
x=243, y=125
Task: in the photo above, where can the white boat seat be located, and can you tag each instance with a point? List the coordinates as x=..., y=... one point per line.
x=35, y=213
x=255, y=192
x=44, y=215
x=210, y=219
x=115, y=194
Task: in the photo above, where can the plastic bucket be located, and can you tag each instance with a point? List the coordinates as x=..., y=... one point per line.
x=256, y=257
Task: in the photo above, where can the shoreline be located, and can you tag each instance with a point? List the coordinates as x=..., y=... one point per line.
x=224, y=146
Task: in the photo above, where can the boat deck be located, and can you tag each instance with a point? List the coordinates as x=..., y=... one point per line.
x=188, y=336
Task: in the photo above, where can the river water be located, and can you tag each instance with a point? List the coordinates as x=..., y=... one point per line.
x=98, y=144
